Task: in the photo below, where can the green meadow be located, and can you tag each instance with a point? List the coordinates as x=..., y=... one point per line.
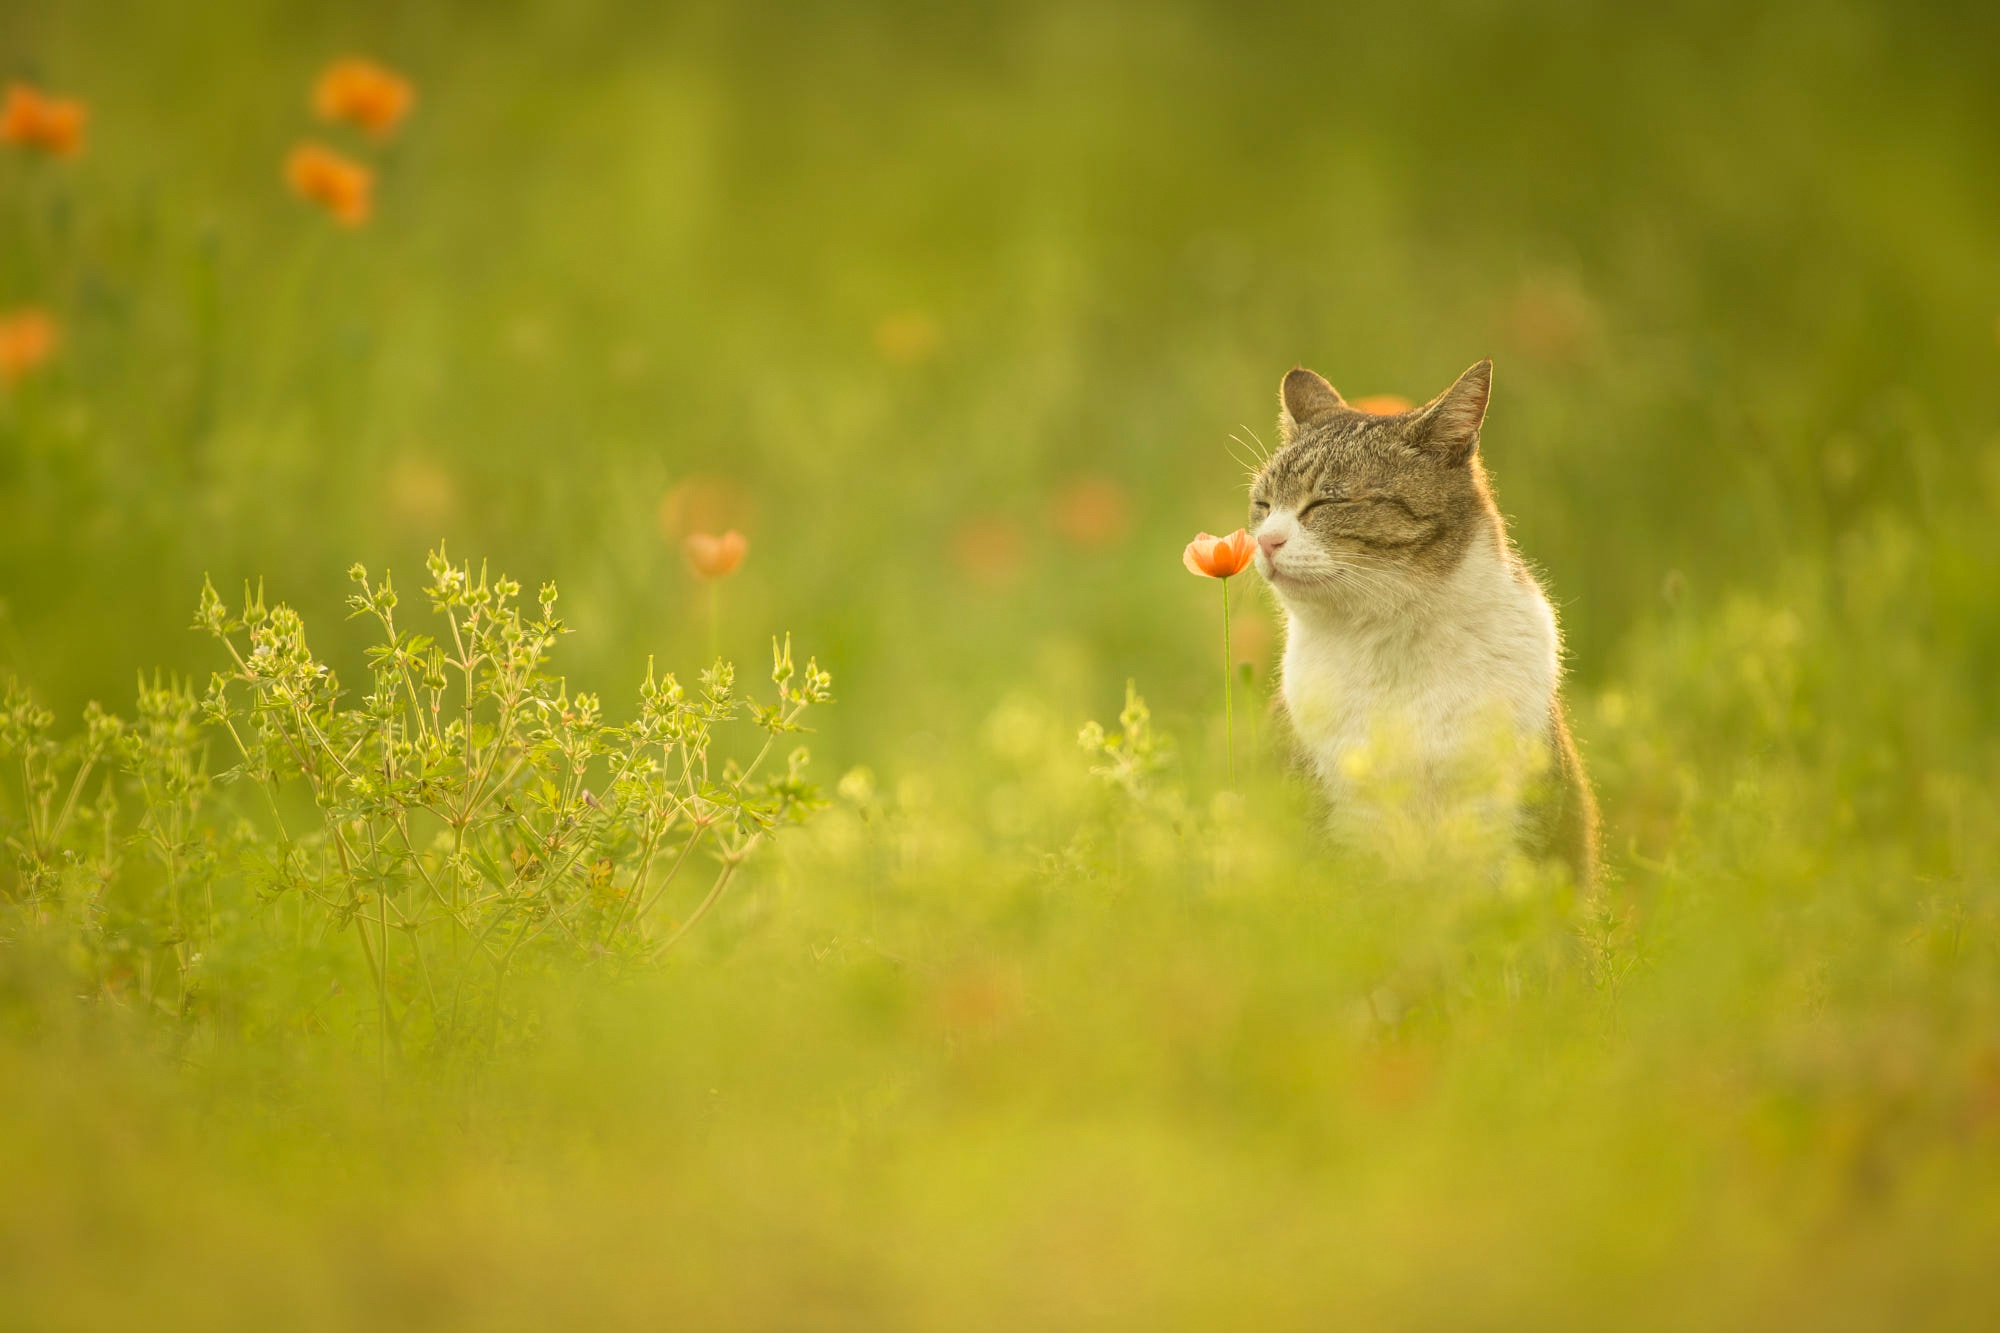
x=432, y=960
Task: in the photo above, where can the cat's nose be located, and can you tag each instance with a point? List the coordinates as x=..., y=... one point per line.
x=1270, y=541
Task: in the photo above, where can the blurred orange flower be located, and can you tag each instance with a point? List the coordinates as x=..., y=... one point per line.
x=712, y=557
x=1551, y=319
x=992, y=550
x=32, y=119
x=978, y=1000
x=27, y=340
x=907, y=337
x=705, y=504
x=1219, y=557
x=343, y=188
x=363, y=93
x=1382, y=404
x=1093, y=512
x=421, y=494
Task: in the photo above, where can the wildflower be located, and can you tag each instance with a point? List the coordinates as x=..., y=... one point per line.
x=857, y=785
x=421, y=493
x=907, y=337
x=27, y=340
x=343, y=188
x=1550, y=319
x=992, y=550
x=1221, y=558
x=365, y=94
x=32, y=119
x=713, y=557
x=1382, y=404
x=705, y=504
x=1093, y=513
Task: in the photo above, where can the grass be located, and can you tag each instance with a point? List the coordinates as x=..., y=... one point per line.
x=955, y=315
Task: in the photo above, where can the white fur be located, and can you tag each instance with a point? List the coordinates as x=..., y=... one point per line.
x=1422, y=703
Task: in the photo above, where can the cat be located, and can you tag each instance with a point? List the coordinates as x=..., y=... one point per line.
x=1423, y=663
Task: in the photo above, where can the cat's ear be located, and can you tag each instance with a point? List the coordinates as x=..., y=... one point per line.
x=1448, y=424
x=1303, y=399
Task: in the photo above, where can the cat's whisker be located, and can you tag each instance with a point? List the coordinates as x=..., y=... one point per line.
x=1253, y=444
x=1257, y=459
x=1250, y=467
x=1374, y=590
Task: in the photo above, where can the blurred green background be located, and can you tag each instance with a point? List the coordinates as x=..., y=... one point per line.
x=954, y=310
x=899, y=277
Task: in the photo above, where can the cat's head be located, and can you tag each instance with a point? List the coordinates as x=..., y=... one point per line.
x=1357, y=511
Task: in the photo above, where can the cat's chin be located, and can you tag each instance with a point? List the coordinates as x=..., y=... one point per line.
x=1276, y=577
x=1294, y=593
x=1282, y=584
x=1321, y=600
x=1291, y=584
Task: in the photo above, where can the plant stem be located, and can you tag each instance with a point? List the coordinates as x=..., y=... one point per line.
x=714, y=620
x=715, y=892
x=1228, y=694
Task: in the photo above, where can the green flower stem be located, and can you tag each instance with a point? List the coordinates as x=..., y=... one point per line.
x=1228, y=695
x=715, y=620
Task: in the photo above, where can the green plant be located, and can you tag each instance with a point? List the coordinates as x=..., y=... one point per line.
x=463, y=813
x=61, y=851
x=1130, y=757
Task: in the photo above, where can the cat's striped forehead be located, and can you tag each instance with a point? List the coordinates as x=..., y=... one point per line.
x=1351, y=446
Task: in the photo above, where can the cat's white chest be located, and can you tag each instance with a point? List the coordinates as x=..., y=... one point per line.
x=1447, y=705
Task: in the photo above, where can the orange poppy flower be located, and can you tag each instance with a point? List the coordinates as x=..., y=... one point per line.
x=705, y=503
x=343, y=188
x=1219, y=557
x=421, y=494
x=1093, y=512
x=363, y=93
x=711, y=557
x=32, y=119
x=27, y=340
x=906, y=338
x=993, y=551
x=1382, y=404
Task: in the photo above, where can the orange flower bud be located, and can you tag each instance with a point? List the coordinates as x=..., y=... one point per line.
x=1219, y=557
x=1093, y=512
x=32, y=119
x=712, y=557
x=365, y=94
x=343, y=188
x=993, y=550
x=27, y=340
